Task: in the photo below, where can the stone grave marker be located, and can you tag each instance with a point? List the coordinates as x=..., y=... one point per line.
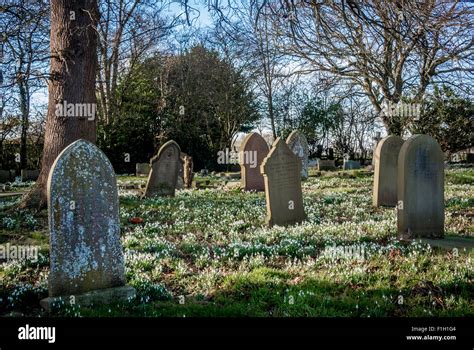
x=385, y=172
x=164, y=171
x=350, y=164
x=4, y=176
x=326, y=164
x=297, y=142
x=253, y=151
x=142, y=169
x=29, y=175
x=86, y=257
x=284, y=198
x=420, y=188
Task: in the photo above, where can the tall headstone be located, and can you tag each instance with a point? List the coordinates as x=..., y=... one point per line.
x=284, y=198
x=385, y=172
x=164, y=171
x=253, y=151
x=420, y=188
x=299, y=145
x=86, y=258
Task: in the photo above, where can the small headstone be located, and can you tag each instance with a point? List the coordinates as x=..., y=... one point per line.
x=420, y=188
x=253, y=151
x=284, y=198
x=29, y=175
x=297, y=142
x=164, y=171
x=326, y=164
x=350, y=164
x=85, y=249
x=142, y=169
x=385, y=172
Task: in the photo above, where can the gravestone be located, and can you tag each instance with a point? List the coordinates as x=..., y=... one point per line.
x=86, y=258
x=185, y=173
x=284, y=198
x=164, y=171
x=142, y=169
x=326, y=164
x=377, y=139
x=385, y=172
x=420, y=188
x=4, y=176
x=299, y=145
x=253, y=151
x=29, y=175
x=350, y=164
x=331, y=153
x=188, y=173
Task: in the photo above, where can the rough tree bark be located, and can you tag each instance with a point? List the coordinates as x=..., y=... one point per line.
x=72, y=81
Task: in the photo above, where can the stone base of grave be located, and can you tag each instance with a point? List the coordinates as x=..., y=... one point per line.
x=100, y=296
x=450, y=242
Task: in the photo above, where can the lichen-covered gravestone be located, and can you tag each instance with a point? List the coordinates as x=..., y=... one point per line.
x=164, y=172
x=385, y=172
x=86, y=258
x=253, y=151
x=297, y=142
x=284, y=198
x=420, y=188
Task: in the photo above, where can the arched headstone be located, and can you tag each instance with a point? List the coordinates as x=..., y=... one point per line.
x=297, y=142
x=253, y=150
x=164, y=171
x=385, y=172
x=85, y=249
x=284, y=198
x=420, y=187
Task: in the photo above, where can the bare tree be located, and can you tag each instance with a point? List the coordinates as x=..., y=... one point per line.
x=128, y=30
x=25, y=54
x=387, y=48
x=247, y=27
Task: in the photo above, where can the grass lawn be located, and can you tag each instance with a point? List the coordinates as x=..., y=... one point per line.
x=207, y=253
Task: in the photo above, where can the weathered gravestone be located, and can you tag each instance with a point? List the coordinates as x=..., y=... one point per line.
x=297, y=142
x=326, y=164
x=253, y=151
x=29, y=175
x=185, y=172
x=188, y=174
x=4, y=176
x=164, y=171
x=420, y=188
x=86, y=258
x=284, y=198
x=142, y=169
x=385, y=172
x=350, y=164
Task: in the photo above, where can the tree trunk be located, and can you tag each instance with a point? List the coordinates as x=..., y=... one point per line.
x=73, y=75
x=25, y=112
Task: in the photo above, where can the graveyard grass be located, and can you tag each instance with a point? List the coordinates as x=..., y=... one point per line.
x=206, y=253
